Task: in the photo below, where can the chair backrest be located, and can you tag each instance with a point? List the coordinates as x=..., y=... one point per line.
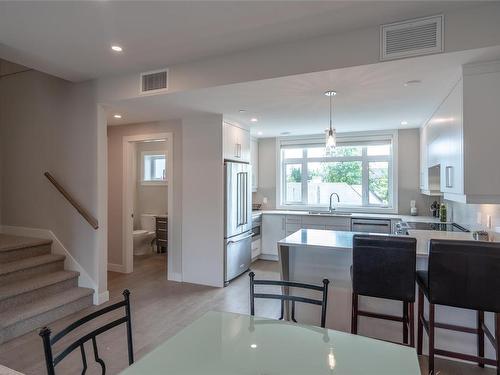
x=287, y=297
x=51, y=360
x=384, y=266
x=465, y=274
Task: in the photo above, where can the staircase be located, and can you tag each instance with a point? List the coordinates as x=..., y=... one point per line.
x=35, y=290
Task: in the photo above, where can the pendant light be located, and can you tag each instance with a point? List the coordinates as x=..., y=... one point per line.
x=331, y=137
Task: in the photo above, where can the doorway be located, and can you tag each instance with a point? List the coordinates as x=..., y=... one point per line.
x=147, y=197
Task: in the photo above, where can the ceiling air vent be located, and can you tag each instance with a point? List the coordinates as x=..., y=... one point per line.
x=416, y=37
x=154, y=81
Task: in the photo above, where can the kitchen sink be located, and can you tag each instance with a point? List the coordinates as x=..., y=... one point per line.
x=328, y=213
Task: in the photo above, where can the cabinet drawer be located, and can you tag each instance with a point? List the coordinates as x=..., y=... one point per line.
x=313, y=226
x=293, y=227
x=161, y=225
x=293, y=219
x=346, y=228
x=330, y=220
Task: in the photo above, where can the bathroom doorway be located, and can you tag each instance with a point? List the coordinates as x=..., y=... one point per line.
x=147, y=197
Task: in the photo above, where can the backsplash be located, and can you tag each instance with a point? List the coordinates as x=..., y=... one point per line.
x=475, y=216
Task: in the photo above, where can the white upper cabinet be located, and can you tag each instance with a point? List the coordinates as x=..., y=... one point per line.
x=236, y=143
x=459, y=144
x=254, y=161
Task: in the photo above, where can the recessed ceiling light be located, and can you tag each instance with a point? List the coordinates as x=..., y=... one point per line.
x=413, y=82
x=253, y=346
x=116, y=48
x=404, y=122
x=259, y=133
x=117, y=115
x=242, y=110
x=330, y=93
x=253, y=119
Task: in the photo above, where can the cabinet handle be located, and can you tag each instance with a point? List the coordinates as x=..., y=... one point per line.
x=449, y=176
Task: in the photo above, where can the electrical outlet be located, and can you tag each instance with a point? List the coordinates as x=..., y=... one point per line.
x=488, y=221
x=478, y=218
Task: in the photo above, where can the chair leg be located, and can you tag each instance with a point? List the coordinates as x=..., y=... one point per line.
x=420, y=326
x=405, y=322
x=354, y=315
x=480, y=336
x=431, y=338
x=497, y=339
x=411, y=323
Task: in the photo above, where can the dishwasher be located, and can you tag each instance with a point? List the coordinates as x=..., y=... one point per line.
x=371, y=226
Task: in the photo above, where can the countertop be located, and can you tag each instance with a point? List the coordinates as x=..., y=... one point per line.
x=357, y=215
x=342, y=240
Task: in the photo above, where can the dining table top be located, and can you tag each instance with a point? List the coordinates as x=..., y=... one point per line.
x=234, y=344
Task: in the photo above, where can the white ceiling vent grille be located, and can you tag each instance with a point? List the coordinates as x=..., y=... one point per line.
x=416, y=37
x=154, y=81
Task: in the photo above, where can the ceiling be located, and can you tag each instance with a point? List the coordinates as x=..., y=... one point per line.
x=72, y=39
x=370, y=97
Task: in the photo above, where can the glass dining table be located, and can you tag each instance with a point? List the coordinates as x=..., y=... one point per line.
x=234, y=344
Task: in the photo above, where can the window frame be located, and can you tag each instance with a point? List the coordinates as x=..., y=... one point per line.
x=363, y=138
x=153, y=182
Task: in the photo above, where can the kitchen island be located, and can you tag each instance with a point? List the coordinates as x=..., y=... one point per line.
x=309, y=255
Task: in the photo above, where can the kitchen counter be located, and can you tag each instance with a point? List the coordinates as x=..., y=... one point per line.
x=357, y=215
x=310, y=255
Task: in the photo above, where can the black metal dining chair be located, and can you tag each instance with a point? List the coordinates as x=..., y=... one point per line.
x=287, y=297
x=52, y=361
x=463, y=274
x=384, y=267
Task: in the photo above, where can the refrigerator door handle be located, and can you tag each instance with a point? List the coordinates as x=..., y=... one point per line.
x=241, y=239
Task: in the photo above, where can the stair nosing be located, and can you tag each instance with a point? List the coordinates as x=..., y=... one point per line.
x=42, y=260
x=37, y=282
x=35, y=243
x=12, y=316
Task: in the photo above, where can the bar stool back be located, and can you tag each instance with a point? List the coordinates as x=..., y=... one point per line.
x=464, y=274
x=384, y=267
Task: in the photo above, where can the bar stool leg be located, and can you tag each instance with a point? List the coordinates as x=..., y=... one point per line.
x=354, y=317
x=497, y=339
x=405, y=322
x=412, y=324
x=480, y=336
x=431, y=338
x=420, y=326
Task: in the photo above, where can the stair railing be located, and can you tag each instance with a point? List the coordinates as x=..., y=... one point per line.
x=82, y=211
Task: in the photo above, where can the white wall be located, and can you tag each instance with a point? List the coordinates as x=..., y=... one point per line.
x=48, y=124
x=408, y=172
x=202, y=200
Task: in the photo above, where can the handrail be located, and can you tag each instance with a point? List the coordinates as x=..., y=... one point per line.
x=86, y=215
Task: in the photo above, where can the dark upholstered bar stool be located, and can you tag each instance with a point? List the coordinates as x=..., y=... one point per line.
x=384, y=267
x=463, y=274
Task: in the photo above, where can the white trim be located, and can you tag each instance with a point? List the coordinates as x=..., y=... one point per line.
x=113, y=267
x=70, y=263
x=127, y=199
x=350, y=137
x=101, y=297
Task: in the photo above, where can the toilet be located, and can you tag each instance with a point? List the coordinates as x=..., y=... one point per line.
x=144, y=236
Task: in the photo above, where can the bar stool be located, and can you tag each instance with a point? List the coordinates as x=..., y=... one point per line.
x=464, y=274
x=384, y=267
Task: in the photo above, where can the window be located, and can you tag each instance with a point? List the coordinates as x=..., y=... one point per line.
x=360, y=171
x=153, y=167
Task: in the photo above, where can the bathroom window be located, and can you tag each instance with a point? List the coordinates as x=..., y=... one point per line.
x=154, y=168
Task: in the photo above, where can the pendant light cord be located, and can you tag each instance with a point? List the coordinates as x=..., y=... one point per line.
x=331, y=112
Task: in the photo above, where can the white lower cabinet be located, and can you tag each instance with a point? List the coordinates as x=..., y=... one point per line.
x=275, y=227
x=273, y=230
x=256, y=249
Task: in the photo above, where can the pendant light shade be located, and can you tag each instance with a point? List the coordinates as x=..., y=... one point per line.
x=331, y=137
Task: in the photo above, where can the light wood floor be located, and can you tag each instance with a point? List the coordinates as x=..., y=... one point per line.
x=160, y=309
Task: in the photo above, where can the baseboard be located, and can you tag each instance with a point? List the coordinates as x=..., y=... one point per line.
x=70, y=263
x=100, y=298
x=174, y=276
x=269, y=257
x=114, y=267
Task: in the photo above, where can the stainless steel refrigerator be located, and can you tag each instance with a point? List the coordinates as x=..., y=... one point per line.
x=237, y=219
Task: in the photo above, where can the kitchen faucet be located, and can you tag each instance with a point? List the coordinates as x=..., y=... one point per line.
x=331, y=209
